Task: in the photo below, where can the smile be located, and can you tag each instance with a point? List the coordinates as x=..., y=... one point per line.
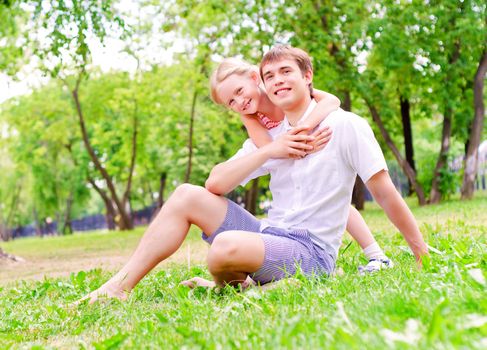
x=281, y=91
x=246, y=106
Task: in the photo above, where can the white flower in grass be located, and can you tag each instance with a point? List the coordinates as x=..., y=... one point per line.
x=477, y=275
x=411, y=334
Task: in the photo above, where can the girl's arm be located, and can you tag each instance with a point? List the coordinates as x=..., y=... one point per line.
x=327, y=103
x=257, y=132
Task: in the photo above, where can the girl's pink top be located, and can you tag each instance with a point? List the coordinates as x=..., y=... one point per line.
x=267, y=122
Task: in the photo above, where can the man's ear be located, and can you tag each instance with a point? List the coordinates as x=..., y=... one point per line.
x=309, y=76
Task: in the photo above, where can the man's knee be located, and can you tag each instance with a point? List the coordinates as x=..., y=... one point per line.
x=222, y=252
x=187, y=195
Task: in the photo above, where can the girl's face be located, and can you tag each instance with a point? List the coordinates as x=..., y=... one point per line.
x=241, y=93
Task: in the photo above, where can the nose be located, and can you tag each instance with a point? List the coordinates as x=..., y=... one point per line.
x=278, y=80
x=240, y=101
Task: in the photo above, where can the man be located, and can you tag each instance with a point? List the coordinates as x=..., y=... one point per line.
x=311, y=196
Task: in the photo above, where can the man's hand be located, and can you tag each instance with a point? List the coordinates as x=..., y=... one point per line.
x=292, y=144
x=385, y=194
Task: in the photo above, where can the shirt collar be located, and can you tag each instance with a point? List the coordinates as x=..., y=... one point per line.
x=311, y=106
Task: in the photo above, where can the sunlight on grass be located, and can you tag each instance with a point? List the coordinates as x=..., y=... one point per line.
x=440, y=306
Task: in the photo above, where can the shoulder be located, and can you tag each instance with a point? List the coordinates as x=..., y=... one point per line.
x=341, y=119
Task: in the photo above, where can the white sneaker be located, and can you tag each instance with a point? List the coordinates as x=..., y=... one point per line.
x=375, y=265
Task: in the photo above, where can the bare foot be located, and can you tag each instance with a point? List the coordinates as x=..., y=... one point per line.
x=106, y=291
x=285, y=282
x=198, y=282
x=249, y=282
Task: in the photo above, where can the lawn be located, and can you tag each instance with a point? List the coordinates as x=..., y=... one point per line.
x=441, y=306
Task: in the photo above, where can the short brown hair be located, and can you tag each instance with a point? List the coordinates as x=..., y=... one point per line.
x=280, y=52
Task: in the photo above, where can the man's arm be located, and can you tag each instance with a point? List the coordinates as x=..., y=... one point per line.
x=386, y=195
x=224, y=177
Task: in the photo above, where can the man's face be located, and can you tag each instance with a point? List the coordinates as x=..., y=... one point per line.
x=285, y=84
x=240, y=93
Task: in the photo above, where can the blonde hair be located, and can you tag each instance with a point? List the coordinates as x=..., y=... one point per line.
x=226, y=68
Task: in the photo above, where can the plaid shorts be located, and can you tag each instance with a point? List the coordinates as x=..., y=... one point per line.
x=286, y=251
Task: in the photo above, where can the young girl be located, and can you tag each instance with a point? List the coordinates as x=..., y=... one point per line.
x=236, y=84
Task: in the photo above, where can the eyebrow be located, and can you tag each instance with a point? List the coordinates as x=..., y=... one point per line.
x=279, y=69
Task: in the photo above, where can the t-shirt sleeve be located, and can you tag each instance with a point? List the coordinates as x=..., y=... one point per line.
x=361, y=148
x=247, y=148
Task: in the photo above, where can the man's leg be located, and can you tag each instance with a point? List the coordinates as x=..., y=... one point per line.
x=187, y=205
x=234, y=255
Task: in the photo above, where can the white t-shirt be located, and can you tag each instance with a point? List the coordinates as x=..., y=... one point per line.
x=314, y=192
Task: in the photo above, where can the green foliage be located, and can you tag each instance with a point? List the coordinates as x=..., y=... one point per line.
x=362, y=49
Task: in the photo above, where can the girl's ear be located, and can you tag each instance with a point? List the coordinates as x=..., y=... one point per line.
x=255, y=77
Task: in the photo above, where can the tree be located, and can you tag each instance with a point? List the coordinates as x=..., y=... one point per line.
x=471, y=157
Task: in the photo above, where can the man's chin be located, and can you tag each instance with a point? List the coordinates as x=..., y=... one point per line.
x=280, y=102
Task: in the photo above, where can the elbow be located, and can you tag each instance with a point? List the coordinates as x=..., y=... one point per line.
x=336, y=101
x=214, y=185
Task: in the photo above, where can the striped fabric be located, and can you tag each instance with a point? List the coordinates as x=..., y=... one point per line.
x=267, y=122
x=286, y=251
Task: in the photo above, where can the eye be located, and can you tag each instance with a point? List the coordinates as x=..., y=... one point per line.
x=231, y=102
x=268, y=77
x=239, y=91
x=287, y=71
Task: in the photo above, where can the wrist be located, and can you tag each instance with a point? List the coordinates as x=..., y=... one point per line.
x=267, y=151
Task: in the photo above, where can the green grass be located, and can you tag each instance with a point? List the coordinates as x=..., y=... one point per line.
x=441, y=306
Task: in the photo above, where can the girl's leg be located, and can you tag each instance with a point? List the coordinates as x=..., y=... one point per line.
x=359, y=230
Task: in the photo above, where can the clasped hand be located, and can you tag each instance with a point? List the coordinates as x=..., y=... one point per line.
x=296, y=143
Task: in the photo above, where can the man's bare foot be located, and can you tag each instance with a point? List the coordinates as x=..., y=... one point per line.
x=198, y=282
x=106, y=291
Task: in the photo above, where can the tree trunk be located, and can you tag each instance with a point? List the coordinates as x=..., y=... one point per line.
x=125, y=221
x=190, y=137
x=251, y=196
x=162, y=186
x=442, y=162
x=67, y=228
x=37, y=223
x=347, y=101
x=408, y=135
x=110, y=210
x=471, y=156
x=6, y=234
x=406, y=168
x=358, y=194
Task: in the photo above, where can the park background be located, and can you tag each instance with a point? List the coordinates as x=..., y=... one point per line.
x=105, y=110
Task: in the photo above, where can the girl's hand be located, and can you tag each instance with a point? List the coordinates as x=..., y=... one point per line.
x=322, y=137
x=292, y=144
